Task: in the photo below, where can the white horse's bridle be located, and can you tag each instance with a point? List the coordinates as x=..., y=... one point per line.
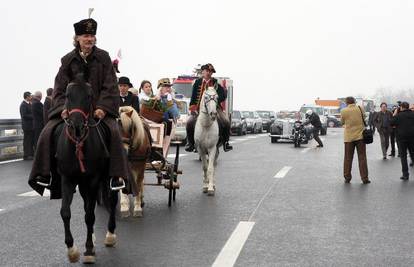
x=207, y=99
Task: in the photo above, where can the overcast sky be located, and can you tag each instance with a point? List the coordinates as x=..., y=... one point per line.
x=280, y=54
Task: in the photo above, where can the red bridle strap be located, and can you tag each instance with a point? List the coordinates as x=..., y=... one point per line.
x=77, y=110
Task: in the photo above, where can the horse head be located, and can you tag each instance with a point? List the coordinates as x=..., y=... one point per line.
x=210, y=102
x=132, y=128
x=79, y=105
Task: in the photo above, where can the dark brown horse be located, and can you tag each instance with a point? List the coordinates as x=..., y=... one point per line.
x=82, y=160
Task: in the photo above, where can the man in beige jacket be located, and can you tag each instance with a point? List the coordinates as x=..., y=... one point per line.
x=352, y=120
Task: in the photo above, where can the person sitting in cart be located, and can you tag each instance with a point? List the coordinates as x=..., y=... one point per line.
x=126, y=98
x=167, y=100
x=200, y=85
x=145, y=93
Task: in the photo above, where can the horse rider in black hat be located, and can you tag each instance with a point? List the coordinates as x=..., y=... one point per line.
x=200, y=85
x=127, y=98
x=96, y=67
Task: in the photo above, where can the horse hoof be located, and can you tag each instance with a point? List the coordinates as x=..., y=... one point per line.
x=210, y=192
x=73, y=254
x=137, y=213
x=110, y=240
x=90, y=259
x=205, y=189
x=125, y=213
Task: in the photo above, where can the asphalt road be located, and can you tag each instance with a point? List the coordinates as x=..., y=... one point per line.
x=306, y=216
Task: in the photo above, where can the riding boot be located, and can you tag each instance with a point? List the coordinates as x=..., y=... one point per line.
x=190, y=133
x=225, y=129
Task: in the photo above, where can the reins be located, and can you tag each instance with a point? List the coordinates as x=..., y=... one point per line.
x=79, y=142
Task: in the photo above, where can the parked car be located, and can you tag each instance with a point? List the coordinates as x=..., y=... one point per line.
x=268, y=117
x=318, y=110
x=333, y=122
x=254, y=122
x=238, y=123
x=283, y=129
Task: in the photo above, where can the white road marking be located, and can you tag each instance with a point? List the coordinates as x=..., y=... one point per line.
x=1, y=210
x=173, y=155
x=34, y=194
x=10, y=161
x=240, y=139
x=252, y=137
x=282, y=173
x=231, y=250
x=306, y=150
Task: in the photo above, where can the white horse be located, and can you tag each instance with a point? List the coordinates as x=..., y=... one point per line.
x=206, y=137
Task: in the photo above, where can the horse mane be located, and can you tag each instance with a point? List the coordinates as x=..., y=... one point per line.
x=134, y=122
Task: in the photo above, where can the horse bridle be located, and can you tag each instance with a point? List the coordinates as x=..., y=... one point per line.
x=79, y=141
x=210, y=98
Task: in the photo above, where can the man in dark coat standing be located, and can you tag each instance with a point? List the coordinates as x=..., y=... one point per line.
x=127, y=98
x=96, y=67
x=47, y=104
x=403, y=120
x=382, y=122
x=37, y=109
x=27, y=126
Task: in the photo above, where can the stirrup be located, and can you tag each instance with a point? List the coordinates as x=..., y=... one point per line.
x=117, y=188
x=47, y=185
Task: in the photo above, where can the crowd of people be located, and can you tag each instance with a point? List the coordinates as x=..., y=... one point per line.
x=33, y=114
x=395, y=127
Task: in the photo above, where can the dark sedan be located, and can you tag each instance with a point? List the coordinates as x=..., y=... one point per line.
x=268, y=117
x=238, y=123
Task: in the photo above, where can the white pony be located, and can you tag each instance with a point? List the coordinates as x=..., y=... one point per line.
x=206, y=137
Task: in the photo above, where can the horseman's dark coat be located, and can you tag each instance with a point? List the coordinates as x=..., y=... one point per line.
x=198, y=93
x=99, y=73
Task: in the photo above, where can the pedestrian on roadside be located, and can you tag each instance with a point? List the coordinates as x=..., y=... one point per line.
x=382, y=122
x=27, y=126
x=393, y=135
x=403, y=120
x=37, y=110
x=352, y=118
x=47, y=104
x=371, y=120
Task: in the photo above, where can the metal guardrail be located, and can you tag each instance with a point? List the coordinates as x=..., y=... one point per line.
x=11, y=139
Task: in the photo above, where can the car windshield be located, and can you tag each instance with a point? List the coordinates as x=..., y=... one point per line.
x=236, y=115
x=264, y=114
x=185, y=89
x=317, y=110
x=248, y=114
x=287, y=115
